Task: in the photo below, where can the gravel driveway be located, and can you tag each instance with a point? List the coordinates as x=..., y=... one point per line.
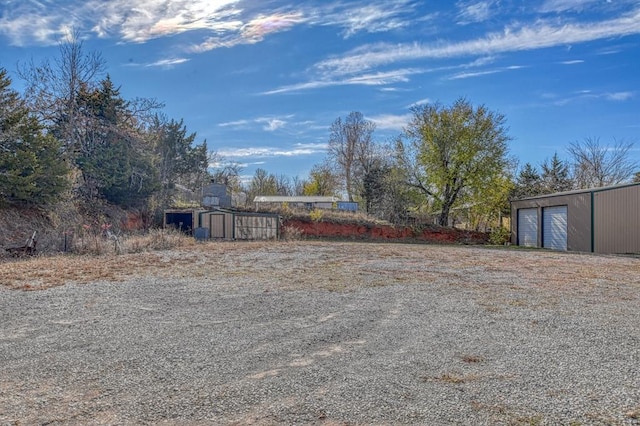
x=330, y=334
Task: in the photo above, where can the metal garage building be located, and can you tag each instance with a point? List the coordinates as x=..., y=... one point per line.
x=600, y=220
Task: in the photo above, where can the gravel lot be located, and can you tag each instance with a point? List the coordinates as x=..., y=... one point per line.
x=329, y=334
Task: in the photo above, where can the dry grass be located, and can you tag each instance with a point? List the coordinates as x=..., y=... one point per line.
x=471, y=359
x=496, y=278
x=452, y=378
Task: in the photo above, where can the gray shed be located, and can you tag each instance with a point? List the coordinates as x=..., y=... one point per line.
x=235, y=225
x=599, y=220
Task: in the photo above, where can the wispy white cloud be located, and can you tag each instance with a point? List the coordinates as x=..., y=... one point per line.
x=374, y=79
x=372, y=16
x=619, y=96
x=223, y=23
x=419, y=102
x=564, y=5
x=476, y=11
x=391, y=121
x=236, y=123
x=271, y=124
x=464, y=75
x=573, y=62
x=252, y=32
x=167, y=63
x=586, y=95
x=139, y=21
x=542, y=34
x=299, y=149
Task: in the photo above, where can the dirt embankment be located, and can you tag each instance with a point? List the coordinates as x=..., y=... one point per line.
x=357, y=231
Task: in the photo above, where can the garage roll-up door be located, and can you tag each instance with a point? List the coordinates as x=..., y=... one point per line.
x=528, y=227
x=554, y=227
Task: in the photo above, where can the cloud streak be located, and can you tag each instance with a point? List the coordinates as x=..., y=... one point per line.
x=224, y=23
x=299, y=149
x=543, y=34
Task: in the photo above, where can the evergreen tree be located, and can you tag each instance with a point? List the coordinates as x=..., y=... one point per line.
x=31, y=170
x=112, y=159
x=556, y=176
x=528, y=183
x=178, y=160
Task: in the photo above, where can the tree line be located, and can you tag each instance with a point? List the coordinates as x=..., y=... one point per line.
x=449, y=160
x=72, y=134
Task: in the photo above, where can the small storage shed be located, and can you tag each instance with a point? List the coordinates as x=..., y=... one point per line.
x=599, y=220
x=186, y=220
x=234, y=225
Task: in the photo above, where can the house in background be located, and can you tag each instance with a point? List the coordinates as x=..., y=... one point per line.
x=306, y=202
x=599, y=220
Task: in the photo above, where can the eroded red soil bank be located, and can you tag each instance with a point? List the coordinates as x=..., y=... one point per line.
x=384, y=232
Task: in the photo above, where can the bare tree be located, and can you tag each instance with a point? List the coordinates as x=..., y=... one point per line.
x=52, y=88
x=595, y=165
x=350, y=149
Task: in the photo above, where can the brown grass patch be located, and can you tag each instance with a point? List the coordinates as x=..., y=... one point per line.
x=471, y=359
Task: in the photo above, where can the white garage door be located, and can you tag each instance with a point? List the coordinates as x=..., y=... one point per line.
x=528, y=227
x=554, y=227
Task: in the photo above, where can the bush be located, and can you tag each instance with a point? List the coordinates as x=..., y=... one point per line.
x=499, y=236
x=316, y=215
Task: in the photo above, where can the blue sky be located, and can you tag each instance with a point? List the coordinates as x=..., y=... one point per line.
x=262, y=80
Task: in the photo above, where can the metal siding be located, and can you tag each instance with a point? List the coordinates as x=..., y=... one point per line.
x=528, y=227
x=230, y=233
x=617, y=220
x=216, y=224
x=554, y=228
x=256, y=227
x=578, y=217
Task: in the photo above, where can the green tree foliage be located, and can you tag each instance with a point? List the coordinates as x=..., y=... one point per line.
x=322, y=181
x=556, y=176
x=262, y=183
x=180, y=162
x=489, y=203
x=459, y=149
x=528, y=183
x=111, y=156
x=31, y=170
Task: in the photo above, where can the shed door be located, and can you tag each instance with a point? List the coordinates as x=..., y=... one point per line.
x=528, y=227
x=554, y=227
x=216, y=225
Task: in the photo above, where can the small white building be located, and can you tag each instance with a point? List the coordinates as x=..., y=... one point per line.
x=306, y=202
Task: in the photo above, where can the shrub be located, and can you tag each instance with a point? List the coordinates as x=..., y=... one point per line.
x=499, y=236
x=316, y=215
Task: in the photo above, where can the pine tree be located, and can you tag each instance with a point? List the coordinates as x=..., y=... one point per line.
x=31, y=171
x=112, y=159
x=556, y=176
x=528, y=183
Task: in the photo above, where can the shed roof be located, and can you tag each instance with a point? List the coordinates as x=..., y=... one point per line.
x=298, y=199
x=579, y=191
